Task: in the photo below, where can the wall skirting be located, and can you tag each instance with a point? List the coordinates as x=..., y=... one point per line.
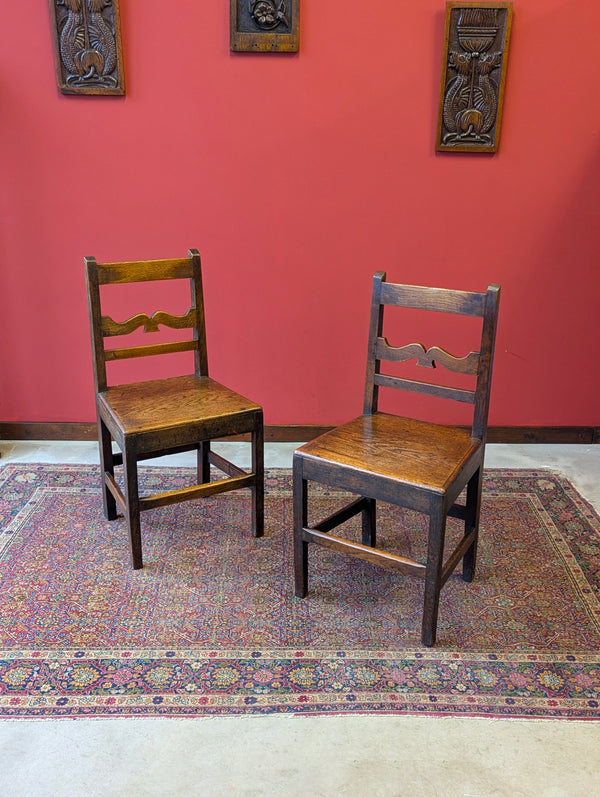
x=302, y=433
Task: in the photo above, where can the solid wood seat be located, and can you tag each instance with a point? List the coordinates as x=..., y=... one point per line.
x=182, y=401
x=157, y=417
x=412, y=463
x=393, y=448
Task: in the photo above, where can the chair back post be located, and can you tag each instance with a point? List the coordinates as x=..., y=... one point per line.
x=93, y=296
x=197, y=291
x=484, y=374
x=375, y=331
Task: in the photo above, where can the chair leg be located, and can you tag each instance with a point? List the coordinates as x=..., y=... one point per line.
x=300, y=490
x=106, y=466
x=369, y=523
x=203, y=462
x=473, y=505
x=258, y=491
x=133, y=507
x=435, y=556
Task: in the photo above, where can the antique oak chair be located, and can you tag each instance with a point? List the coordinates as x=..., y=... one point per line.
x=411, y=463
x=166, y=415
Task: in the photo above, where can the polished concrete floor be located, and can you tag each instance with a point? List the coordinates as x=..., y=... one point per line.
x=321, y=756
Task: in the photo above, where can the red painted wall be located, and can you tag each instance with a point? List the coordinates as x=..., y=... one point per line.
x=298, y=176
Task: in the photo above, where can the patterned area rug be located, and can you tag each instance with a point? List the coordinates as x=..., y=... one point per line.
x=211, y=625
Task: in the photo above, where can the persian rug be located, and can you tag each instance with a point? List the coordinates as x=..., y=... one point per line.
x=211, y=625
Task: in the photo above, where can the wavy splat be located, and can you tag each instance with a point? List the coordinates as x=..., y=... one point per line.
x=427, y=357
x=151, y=323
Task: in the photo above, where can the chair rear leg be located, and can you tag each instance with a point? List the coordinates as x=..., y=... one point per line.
x=133, y=507
x=435, y=556
x=300, y=520
x=369, y=523
x=258, y=490
x=106, y=466
x=203, y=462
x=473, y=504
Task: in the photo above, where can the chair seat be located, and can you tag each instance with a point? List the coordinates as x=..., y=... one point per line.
x=414, y=453
x=170, y=403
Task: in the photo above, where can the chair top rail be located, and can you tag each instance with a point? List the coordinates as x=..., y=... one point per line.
x=441, y=300
x=144, y=271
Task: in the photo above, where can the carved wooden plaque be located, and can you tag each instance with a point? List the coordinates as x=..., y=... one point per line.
x=264, y=25
x=87, y=46
x=473, y=76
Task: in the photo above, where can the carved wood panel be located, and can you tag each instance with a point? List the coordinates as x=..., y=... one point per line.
x=264, y=25
x=87, y=46
x=474, y=65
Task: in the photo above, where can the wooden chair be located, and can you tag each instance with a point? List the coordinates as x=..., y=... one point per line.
x=415, y=464
x=168, y=415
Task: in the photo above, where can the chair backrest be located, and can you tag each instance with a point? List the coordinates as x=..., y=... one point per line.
x=476, y=363
x=103, y=326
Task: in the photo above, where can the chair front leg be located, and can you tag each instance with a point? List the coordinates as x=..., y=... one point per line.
x=258, y=490
x=133, y=506
x=106, y=466
x=435, y=557
x=300, y=491
x=473, y=504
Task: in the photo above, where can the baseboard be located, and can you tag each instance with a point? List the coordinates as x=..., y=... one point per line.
x=301, y=433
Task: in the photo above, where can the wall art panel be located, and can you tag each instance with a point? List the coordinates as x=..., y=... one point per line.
x=473, y=76
x=264, y=25
x=87, y=46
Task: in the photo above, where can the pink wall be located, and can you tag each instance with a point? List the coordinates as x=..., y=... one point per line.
x=298, y=176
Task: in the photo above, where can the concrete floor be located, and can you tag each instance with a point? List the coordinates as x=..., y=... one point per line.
x=283, y=755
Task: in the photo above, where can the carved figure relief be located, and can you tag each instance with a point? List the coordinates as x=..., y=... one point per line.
x=473, y=76
x=87, y=42
x=264, y=25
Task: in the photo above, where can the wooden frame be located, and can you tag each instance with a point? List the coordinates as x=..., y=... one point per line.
x=264, y=25
x=474, y=62
x=88, y=55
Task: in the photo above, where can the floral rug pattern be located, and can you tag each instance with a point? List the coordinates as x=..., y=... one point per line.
x=211, y=625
